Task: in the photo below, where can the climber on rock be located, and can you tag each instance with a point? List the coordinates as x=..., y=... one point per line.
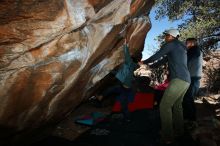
x=124, y=77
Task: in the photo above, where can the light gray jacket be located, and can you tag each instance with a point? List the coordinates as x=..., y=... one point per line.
x=195, y=65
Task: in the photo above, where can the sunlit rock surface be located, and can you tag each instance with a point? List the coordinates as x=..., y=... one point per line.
x=52, y=52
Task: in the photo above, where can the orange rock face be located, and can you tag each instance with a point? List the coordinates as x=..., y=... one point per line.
x=52, y=52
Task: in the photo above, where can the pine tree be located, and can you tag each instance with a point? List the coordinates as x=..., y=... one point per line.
x=201, y=19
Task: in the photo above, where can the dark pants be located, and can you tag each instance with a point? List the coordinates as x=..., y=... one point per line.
x=126, y=96
x=158, y=96
x=189, y=109
x=123, y=95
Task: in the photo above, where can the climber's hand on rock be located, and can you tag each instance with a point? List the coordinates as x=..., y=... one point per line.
x=125, y=41
x=140, y=63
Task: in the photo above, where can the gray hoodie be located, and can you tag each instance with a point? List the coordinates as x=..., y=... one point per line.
x=175, y=53
x=195, y=60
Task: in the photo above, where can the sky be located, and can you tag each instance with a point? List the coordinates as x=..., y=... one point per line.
x=158, y=27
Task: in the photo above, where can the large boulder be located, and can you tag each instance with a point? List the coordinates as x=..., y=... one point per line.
x=52, y=52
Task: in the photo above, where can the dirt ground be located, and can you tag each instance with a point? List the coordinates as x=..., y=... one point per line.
x=207, y=132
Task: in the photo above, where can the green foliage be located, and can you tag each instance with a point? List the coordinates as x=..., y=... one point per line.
x=173, y=9
x=201, y=19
